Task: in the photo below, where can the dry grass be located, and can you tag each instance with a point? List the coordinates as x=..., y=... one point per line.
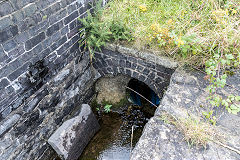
x=196, y=132
x=164, y=25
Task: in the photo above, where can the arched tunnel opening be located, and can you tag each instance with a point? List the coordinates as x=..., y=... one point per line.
x=142, y=95
x=122, y=125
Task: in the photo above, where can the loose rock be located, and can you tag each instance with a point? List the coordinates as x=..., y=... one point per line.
x=70, y=139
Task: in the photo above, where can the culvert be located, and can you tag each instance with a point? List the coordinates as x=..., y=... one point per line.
x=133, y=104
x=144, y=82
x=144, y=74
x=140, y=94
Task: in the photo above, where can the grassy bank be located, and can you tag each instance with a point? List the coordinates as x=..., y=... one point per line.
x=190, y=31
x=199, y=33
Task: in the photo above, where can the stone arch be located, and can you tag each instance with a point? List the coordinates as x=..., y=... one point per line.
x=156, y=76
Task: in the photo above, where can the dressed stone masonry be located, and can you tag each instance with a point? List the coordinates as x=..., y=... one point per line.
x=154, y=71
x=44, y=77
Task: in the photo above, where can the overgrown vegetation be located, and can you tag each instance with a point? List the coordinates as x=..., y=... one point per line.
x=200, y=33
x=193, y=29
x=97, y=32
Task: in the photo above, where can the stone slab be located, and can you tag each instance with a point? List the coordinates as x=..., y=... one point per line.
x=70, y=139
x=161, y=141
x=184, y=96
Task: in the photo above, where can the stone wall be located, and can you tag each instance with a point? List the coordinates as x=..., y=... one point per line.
x=44, y=76
x=37, y=39
x=154, y=71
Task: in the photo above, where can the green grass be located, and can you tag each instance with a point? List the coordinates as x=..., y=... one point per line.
x=190, y=31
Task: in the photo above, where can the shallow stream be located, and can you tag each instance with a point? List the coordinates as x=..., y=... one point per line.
x=113, y=141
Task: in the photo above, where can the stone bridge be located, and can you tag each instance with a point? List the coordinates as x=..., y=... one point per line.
x=146, y=67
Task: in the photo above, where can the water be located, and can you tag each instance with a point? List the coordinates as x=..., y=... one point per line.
x=113, y=141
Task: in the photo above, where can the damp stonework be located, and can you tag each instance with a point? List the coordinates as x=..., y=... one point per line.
x=49, y=93
x=111, y=89
x=154, y=72
x=44, y=76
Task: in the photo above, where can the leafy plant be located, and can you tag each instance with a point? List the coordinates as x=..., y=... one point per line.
x=95, y=32
x=119, y=31
x=188, y=45
x=205, y=34
x=107, y=108
x=210, y=117
x=216, y=70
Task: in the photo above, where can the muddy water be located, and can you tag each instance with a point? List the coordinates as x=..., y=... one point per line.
x=113, y=141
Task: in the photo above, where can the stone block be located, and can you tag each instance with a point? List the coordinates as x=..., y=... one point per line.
x=64, y=3
x=64, y=30
x=4, y=36
x=42, y=26
x=5, y=22
x=9, y=123
x=13, y=30
x=54, y=28
x=18, y=4
x=9, y=45
x=58, y=16
x=73, y=32
x=72, y=136
x=134, y=66
x=14, y=64
x=34, y=41
x=71, y=8
x=37, y=49
x=22, y=37
x=18, y=16
x=42, y=4
x=146, y=71
x=56, y=7
x=74, y=47
x=3, y=83
x=56, y=36
x=44, y=53
x=18, y=72
x=128, y=64
x=62, y=40
x=5, y=8
x=30, y=10
x=16, y=52
x=47, y=42
x=71, y=17
x=139, y=68
x=72, y=25
x=1, y=51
